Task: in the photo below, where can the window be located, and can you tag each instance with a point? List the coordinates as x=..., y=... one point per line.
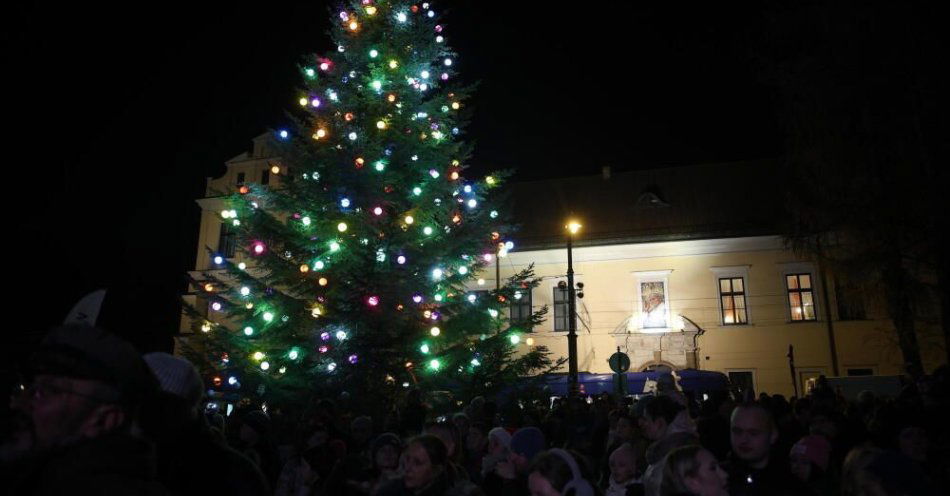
x=265, y=176
x=521, y=305
x=240, y=178
x=732, y=297
x=850, y=300
x=801, y=297
x=743, y=381
x=226, y=241
x=561, y=309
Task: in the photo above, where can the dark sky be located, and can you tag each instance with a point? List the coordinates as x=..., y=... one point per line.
x=116, y=115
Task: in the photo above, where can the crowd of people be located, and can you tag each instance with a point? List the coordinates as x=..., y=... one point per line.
x=93, y=416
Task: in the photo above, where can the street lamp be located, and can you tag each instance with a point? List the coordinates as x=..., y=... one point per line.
x=573, y=227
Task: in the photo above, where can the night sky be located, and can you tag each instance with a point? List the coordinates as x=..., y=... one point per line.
x=119, y=114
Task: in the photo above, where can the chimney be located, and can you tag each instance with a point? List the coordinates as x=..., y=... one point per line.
x=605, y=172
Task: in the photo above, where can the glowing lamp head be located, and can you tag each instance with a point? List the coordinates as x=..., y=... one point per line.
x=424, y=74
x=242, y=266
x=380, y=124
x=232, y=380
x=206, y=327
x=305, y=221
x=304, y=268
x=573, y=226
x=324, y=66
x=265, y=365
x=472, y=298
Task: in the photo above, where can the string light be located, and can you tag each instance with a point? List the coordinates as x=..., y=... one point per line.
x=342, y=228
x=435, y=331
x=409, y=220
x=216, y=306
x=245, y=291
x=268, y=316
x=248, y=331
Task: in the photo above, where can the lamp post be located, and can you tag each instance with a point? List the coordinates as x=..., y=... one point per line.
x=572, y=228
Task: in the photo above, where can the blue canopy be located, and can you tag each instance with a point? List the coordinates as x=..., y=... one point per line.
x=594, y=384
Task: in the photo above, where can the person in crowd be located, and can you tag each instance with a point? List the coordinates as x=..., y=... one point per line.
x=752, y=468
x=499, y=441
x=476, y=447
x=427, y=471
x=386, y=450
x=255, y=440
x=361, y=433
x=84, y=391
x=448, y=433
x=624, y=474
x=693, y=470
x=187, y=449
x=556, y=472
x=876, y=472
x=512, y=473
x=808, y=461
x=662, y=423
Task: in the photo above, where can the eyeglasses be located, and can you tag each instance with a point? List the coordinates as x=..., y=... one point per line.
x=43, y=391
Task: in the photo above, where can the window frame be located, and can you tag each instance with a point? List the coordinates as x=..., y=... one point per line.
x=811, y=290
x=733, y=272
x=520, y=303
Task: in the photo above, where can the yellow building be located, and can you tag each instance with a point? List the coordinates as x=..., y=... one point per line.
x=681, y=267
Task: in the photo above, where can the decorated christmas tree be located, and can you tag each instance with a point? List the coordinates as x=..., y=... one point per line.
x=358, y=269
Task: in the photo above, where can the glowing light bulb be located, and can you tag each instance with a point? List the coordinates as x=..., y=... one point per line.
x=265, y=365
x=242, y=266
x=335, y=245
x=258, y=356
x=424, y=348
x=258, y=248
x=319, y=265
x=481, y=282
x=391, y=98
x=437, y=274
x=371, y=10
x=439, y=39
x=321, y=133
x=475, y=362
x=373, y=301
x=304, y=102
x=293, y=354
x=354, y=26
x=424, y=74
x=514, y=339
x=352, y=136
x=472, y=203
x=472, y=298
x=435, y=331
x=427, y=231
x=487, y=257
x=437, y=297
x=447, y=62
x=348, y=116
x=304, y=268
x=393, y=64
x=493, y=313
x=353, y=359
x=359, y=162
x=509, y=245
x=232, y=380
x=434, y=173
x=310, y=72
x=373, y=53
x=380, y=124
x=401, y=17
x=331, y=366
x=417, y=191
x=305, y=221
x=268, y=316
x=325, y=66
x=282, y=370
x=467, y=188
x=345, y=202
x=409, y=220
x=454, y=175
x=218, y=259
x=377, y=85
x=455, y=105
x=323, y=348
x=248, y=331
x=401, y=260
x=417, y=298
x=340, y=335
x=380, y=165
x=435, y=364
x=315, y=102
x=216, y=306
x=206, y=327
x=322, y=281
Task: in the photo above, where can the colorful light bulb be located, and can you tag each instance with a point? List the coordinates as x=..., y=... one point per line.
x=248, y=331
x=435, y=331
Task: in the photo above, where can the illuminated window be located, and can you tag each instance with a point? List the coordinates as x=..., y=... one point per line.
x=521, y=305
x=801, y=297
x=732, y=297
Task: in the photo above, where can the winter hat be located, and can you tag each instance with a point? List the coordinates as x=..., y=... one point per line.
x=527, y=442
x=501, y=436
x=385, y=439
x=85, y=352
x=176, y=376
x=815, y=448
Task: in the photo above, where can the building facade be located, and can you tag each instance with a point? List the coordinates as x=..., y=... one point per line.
x=681, y=267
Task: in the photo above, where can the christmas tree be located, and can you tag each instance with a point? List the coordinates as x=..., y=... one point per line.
x=358, y=269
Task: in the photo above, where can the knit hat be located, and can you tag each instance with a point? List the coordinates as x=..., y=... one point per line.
x=501, y=436
x=82, y=351
x=815, y=448
x=176, y=376
x=527, y=442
